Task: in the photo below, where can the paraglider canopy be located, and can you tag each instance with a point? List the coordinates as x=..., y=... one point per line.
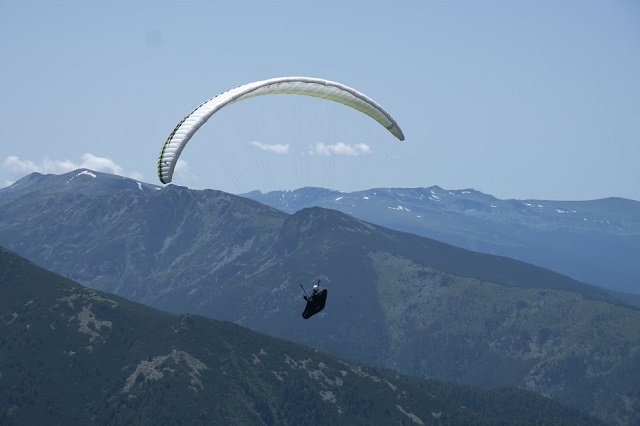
x=307, y=86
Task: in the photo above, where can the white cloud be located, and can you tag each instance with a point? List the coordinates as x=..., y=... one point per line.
x=100, y=164
x=181, y=166
x=14, y=164
x=14, y=167
x=275, y=148
x=341, y=148
x=184, y=174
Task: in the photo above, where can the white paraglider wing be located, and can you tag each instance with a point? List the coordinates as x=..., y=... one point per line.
x=320, y=88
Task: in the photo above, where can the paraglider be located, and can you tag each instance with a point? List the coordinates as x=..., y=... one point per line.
x=307, y=86
x=315, y=302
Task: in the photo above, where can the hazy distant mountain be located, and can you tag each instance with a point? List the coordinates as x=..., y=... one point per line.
x=592, y=241
x=396, y=299
x=74, y=356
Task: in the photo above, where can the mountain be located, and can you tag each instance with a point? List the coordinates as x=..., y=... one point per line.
x=71, y=355
x=592, y=241
x=396, y=300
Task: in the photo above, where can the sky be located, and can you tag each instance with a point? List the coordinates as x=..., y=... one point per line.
x=517, y=99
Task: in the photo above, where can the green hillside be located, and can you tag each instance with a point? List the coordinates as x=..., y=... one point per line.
x=74, y=356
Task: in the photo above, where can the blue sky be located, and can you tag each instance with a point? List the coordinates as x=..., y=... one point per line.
x=518, y=99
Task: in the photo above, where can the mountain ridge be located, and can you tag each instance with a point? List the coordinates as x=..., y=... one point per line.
x=397, y=300
x=593, y=241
